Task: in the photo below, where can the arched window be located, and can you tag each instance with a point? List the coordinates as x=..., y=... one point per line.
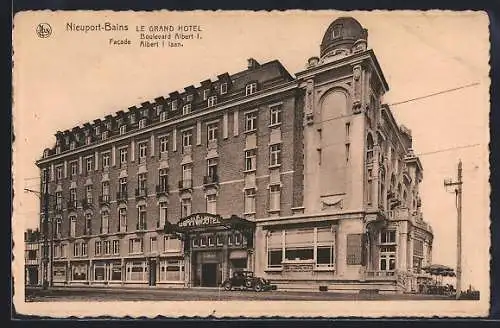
x=369, y=148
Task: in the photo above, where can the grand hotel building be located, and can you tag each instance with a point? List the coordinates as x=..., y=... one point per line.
x=308, y=181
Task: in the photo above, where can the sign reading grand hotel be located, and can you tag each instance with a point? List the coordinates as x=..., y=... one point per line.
x=200, y=220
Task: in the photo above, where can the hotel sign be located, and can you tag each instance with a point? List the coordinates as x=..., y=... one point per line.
x=199, y=220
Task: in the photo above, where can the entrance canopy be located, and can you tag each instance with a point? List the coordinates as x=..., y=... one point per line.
x=204, y=221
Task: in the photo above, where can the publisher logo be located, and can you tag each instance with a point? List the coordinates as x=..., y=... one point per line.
x=43, y=30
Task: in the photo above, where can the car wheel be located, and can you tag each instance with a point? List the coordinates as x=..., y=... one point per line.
x=248, y=284
x=227, y=285
x=258, y=287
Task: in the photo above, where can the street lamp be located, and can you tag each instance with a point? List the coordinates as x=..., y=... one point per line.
x=456, y=187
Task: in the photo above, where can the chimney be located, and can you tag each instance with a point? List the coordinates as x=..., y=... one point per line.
x=252, y=63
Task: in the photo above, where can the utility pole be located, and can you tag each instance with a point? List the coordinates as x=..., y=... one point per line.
x=458, y=194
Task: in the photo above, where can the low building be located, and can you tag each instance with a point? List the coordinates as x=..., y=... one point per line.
x=32, y=258
x=308, y=181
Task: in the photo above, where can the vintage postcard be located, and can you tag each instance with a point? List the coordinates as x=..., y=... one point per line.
x=232, y=163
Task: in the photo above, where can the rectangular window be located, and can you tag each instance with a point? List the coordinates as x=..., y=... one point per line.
x=136, y=271
x=187, y=138
x=59, y=174
x=212, y=132
x=58, y=228
x=88, y=140
x=174, y=105
x=354, y=249
x=275, y=115
x=251, y=88
x=107, y=247
x=172, y=244
x=123, y=129
x=142, y=123
x=122, y=188
x=212, y=169
x=76, y=250
x=132, y=118
x=186, y=109
x=141, y=219
x=163, y=116
x=88, y=164
x=185, y=207
x=186, y=172
x=163, y=214
x=275, y=155
x=98, y=248
x=250, y=200
x=274, y=197
x=141, y=183
x=158, y=109
x=189, y=98
x=212, y=101
x=123, y=156
x=84, y=248
x=143, y=152
x=250, y=160
x=163, y=180
x=116, y=247
x=388, y=237
x=59, y=201
x=206, y=92
x=388, y=258
x=135, y=246
x=105, y=190
x=72, y=228
x=250, y=122
x=73, y=169
x=88, y=224
x=104, y=135
x=153, y=244
x=223, y=88
x=72, y=196
x=105, y=222
x=163, y=147
x=122, y=212
x=105, y=160
x=212, y=204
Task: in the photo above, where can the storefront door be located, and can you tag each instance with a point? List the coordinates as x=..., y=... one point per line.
x=152, y=273
x=209, y=275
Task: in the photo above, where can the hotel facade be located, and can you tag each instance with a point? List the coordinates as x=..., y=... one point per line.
x=306, y=180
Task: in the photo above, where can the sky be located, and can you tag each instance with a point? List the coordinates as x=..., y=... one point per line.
x=72, y=77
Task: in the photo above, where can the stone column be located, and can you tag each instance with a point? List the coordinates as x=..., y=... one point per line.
x=124, y=271
x=402, y=246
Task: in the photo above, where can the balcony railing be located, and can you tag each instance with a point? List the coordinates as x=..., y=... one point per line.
x=86, y=203
x=161, y=189
x=185, y=184
x=141, y=226
x=104, y=199
x=381, y=275
x=72, y=204
x=141, y=192
x=122, y=196
x=211, y=179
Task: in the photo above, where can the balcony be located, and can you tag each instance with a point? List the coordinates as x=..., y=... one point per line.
x=186, y=184
x=122, y=196
x=162, y=190
x=141, y=193
x=104, y=199
x=86, y=203
x=210, y=180
x=72, y=204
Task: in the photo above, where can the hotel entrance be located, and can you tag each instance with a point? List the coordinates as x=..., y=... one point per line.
x=209, y=275
x=207, y=268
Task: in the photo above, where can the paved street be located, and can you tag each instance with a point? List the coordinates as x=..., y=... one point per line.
x=211, y=294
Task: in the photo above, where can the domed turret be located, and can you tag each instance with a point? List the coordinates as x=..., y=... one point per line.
x=343, y=34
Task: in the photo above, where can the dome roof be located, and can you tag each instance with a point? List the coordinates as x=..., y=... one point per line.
x=342, y=32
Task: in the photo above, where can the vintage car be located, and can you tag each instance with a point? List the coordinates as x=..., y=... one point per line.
x=246, y=280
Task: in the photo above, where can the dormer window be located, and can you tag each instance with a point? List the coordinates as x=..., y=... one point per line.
x=108, y=125
x=142, y=123
x=132, y=118
x=158, y=109
x=97, y=130
x=46, y=153
x=212, y=101
x=206, y=92
x=123, y=129
x=77, y=137
x=163, y=116
x=66, y=140
x=251, y=88
x=174, y=105
x=104, y=135
x=72, y=145
x=145, y=112
x=189, y=98
x=186, y=109
x=223, y=88
x=88, y=140
x=337, y=30
x=58, y=149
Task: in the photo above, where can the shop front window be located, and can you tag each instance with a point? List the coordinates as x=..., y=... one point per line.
x=79, y=272
x=171, y=270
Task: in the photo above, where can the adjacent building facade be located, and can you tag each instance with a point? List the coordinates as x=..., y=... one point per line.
x=307, y=181
x=32, y=258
